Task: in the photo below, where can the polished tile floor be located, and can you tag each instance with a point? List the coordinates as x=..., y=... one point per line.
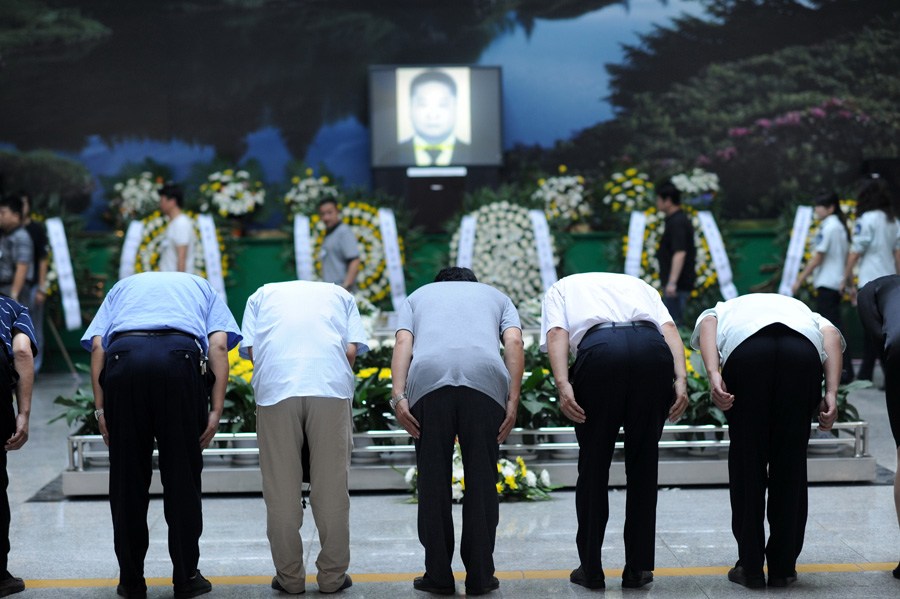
x=63, y=547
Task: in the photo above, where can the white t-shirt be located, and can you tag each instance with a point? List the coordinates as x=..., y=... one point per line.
x=743, y=316
x=578, y=302
x=299, y=332
x=874, y=238
x=832, y=243
x=180, y=232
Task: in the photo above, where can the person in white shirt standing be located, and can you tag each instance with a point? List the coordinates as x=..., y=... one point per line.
x=629, y=372
x=875, y=237
x=303, y=338
x=177, y=250
x=832, y=243
x=773, y=351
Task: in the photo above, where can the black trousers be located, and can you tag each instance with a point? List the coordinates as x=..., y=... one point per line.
x=776, y=378
x=621, y=377
x=7, y=428
x=153, y=390
x=473, y=417
x=828, y=304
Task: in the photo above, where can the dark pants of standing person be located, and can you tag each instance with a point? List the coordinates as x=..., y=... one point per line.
x=7, y=428
x=473, y=417
x=776, y=379
x=828, y=304
x=153, y=390
x=676, y=305
x=621, y=377
x=871, y=350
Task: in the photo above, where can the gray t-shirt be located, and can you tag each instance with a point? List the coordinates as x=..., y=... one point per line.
x=15, y=247
x=338, y=249
x=457, y=328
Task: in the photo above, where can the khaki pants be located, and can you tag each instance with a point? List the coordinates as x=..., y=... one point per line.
x=325, y=423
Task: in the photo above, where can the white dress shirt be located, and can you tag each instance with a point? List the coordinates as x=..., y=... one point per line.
x=578, y=302
x=744, y=316
x=299, y=332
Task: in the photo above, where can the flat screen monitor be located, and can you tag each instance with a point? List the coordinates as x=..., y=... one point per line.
x=435, y=116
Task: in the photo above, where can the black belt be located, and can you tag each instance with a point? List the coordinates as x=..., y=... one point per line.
x=155, y=333
x=634, y=324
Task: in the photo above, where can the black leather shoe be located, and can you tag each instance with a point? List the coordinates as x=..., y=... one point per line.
x=896, y=571
x=194, y=587
x=751, y=581
x=12, y=585
x=423, y=583
x=493, y=585
x=277, y=586
x=129, y=592
x=578, y=577
x=348, y=582
x=635, y=579
x=783, y=581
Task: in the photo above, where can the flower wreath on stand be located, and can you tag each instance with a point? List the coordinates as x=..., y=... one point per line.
x=848, y=208
x=306, y=192
x=563, y=198
x=697, y=187
x=372, y=281
x=628, y=191
x=504, y=255
x=136, y=197
x=232, y=194
x=147, y=258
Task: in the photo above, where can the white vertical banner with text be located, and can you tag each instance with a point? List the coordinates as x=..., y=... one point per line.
x=130, y=248
x=387, y=223
x=466, y=248
x=718, y=254
x=212, y=257
x=544, y=247
x=636, y=226
x=802, y=221
x=303, y=257
x=65, y=275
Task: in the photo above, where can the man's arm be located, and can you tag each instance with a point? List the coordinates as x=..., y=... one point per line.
x=181, y=263
x=558, y=352
x=18, y=280
x=676, y=346
x=352, y=271
x=350, y=352
x=813, y=263
x=98, y=359
x=23, y=360
x=43, y=268
x=514, y=357
x=833, y=366
x=677, y=265
x=218, y=364
x=710, y=352
x=400, y=361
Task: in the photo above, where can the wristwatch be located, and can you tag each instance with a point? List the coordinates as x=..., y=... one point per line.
x=98, y=414
x=398, y=399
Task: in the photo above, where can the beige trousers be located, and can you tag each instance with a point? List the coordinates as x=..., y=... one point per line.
x=325, y=423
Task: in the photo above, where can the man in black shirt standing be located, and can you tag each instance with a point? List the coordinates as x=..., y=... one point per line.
x=676, y=252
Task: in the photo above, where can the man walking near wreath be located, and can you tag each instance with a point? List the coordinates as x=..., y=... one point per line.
x=16, y=251
x=155, y=343
x=340, y=253
x=177, y=251
x=303, y=338
x=677, y=253
x=629, y=372
x=20, y=346
x=450, y=382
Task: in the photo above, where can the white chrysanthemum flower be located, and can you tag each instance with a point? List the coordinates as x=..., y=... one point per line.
x=410, y=474
x=545, y=478
x=530, y=479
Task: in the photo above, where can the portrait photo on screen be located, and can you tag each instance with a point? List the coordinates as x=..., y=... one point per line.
x=430, y=116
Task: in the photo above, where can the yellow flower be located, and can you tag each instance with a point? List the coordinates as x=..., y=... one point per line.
x=367, y=372
x=384, y=374
x=499, y=487
x=511, y=482
x=309, y=172
x=631, y=172
x=295, y=180
x=562, y=169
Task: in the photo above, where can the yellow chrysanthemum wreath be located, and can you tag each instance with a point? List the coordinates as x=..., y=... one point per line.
x=147, y=258
x=703, y=266
x=372, y=280
x=848, y=207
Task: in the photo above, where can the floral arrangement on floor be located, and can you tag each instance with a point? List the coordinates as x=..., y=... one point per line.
x=372, y=280
x=147, y=258
x=563, y=197
x=306, y=192
x=239, y=412
x=628, y=191
x=706, y=272
x=515, y=482
x=698, y=188
x=504, y=255
x=848, y=207
x=231, y=193
x=136, y=197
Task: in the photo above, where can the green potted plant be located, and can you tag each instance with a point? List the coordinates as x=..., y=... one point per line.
x=239, y=416
x=371, y=410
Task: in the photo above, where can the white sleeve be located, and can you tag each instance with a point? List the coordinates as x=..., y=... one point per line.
x=695, y=336
x=248, y=326
x=553, y=314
